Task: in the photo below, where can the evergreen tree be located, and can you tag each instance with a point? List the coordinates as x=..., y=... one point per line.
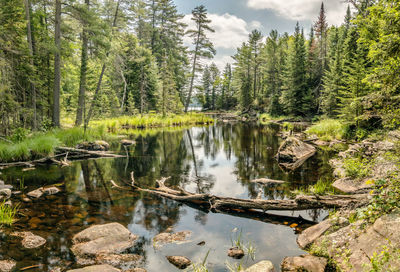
x=295, y=97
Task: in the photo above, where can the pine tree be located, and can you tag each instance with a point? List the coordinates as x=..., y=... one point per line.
x=295, y=97
x=215, y=81
x=203, y=46
x=206, y=87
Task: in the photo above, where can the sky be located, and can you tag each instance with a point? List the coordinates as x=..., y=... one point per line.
x=233, y=20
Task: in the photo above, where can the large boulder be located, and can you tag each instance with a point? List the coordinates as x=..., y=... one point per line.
x=94, y=146
x=307, y=263
x=350, y=186
x=293, y=153
x=311, y=234
x=96, y=268
x=263, y=266
x=353, y=247
x=94, y=244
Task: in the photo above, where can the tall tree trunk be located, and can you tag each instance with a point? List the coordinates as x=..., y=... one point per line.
x=57, y=64
x=193, y=70
x=31, y=55
x=82, y=83
x=141, y=89
x=103, y=68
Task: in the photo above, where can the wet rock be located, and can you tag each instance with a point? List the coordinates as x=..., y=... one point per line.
x=293, y=153
x=7, y=265
x=96, y=268
x=51, y=190
x=347, y=185
x=168, y=238
x=5, y=193
x=263, y=266
x=236, y=253
x=127, y=142
x=4, y=186
x=26, y=199
x=304, y=263
x=100, y=240
x=180, y=262
x=311, y=234
x=136, y=270
x=36, y=193
x=30, y=240
x=267, y=182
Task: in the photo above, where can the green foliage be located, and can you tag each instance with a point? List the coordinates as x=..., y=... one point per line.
x=7, y=213
x=322, y=187
x=356, y=168
x=201, y=266
x=328, y=129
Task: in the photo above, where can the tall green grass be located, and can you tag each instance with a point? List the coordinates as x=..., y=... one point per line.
x=123, y=123
x=40, y=145
x=7, y=213
x=328, y=129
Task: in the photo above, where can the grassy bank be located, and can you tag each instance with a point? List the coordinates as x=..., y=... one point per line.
x=124, y=123
x=38, y=145
x=328, y=129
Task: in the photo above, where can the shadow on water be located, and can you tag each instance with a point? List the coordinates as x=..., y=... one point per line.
x=220, y=159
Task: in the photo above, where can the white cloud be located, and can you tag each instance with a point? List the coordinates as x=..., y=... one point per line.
x=303, y=9
x=230, y=31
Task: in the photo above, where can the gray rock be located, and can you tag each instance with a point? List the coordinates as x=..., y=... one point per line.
x=119, y=260
x=236, y=253
x=96, y=268
x=350, y=186
x=127, y=142
x=180, y=262
x=353, y=247
x=94, y=243
x=293, y=153
x=30, y=240
x=304, y=263
x=7, y=265
x=311, y=234
x=36, y=193
x=263, y=266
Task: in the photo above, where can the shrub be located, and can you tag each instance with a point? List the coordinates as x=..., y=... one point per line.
x=328, y=129
x=356, y=168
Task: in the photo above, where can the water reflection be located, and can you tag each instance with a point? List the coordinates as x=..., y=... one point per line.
x=220, y=160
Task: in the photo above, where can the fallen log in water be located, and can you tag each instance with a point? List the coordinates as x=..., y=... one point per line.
x=220, y=204
x=63, y=153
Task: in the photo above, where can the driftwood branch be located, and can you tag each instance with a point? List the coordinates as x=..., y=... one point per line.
x=221, y=204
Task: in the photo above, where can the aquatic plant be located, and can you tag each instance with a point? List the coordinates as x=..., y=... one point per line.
x=7, y=213
x=201, y=266
x=328, y=129
x=237, y=267
x=248, y=248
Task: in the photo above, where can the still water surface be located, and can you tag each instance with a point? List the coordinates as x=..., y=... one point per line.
x=221, y=159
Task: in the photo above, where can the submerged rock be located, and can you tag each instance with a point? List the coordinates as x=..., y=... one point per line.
x=51, y=190
x=7, y=265
x=119, y=260
x=30, y=240
x=96, y=268
x=307, y=263
x=236, y=253
x=36, y=193
x=293, y=153
x=168, y=238
x=263, y=266
x=267, y=182
x=179, y=261
x=92, y=245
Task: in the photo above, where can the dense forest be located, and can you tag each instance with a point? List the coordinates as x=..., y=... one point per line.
x=85, y=59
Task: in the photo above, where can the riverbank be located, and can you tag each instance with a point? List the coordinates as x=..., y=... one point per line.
x=26, y=146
